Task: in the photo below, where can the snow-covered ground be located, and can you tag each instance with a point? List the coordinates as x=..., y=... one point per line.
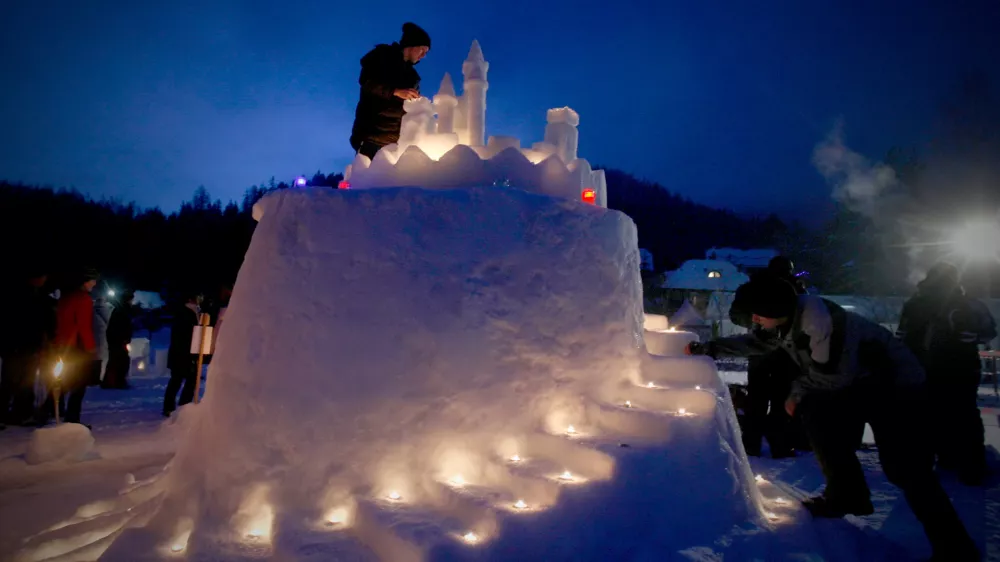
x=132, y=439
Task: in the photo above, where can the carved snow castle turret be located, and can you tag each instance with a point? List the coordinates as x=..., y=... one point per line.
x=443, y=144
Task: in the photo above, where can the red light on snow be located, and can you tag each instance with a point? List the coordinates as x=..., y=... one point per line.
x=344, y=185
x=589, y=196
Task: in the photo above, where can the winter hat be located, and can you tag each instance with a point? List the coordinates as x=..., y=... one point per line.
x=414, y=36
x=771, y=297
x=781, y=265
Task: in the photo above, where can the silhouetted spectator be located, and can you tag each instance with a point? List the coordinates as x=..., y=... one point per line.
x=119, y=336
x=180, y=361
x=943, y=327
x=102, y=315
x=26, y=329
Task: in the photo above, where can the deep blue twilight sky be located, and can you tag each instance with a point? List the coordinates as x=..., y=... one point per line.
x=722, y=102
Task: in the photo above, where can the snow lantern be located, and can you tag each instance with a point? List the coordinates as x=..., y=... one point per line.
x=300, y=181
x=589, y=196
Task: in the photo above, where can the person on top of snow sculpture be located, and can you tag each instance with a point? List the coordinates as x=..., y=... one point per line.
x=769, y=377
x=387, y=80
x=943, y=327
x=853, y=371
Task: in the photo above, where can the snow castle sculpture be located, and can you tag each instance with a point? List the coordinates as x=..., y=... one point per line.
x=443, y=144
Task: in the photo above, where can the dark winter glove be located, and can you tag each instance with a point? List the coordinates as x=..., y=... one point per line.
x=698, y=348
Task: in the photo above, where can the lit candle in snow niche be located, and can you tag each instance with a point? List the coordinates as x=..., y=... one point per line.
x=697, y=387
x=650, y=385
x=256, y=533
x=142, y=366
x=628, y=403
x=470, y=538
x=337, y=516
x=571, y=430
x=758, y=478
x=515, y=458
x=519, y=504
x=177, y=547
x=394, y=495
x=457, y=480
x=780, y=501
x=682, y=411
x=566, y=476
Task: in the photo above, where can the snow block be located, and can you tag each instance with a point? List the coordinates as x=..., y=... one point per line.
x=411, y=374
x=66, y=442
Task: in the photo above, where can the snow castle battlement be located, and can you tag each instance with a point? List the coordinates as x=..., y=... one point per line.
x=441, y=145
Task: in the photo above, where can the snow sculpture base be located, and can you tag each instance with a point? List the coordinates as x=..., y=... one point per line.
x=401, y=367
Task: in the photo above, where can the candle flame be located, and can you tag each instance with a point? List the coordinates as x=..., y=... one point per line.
x=58, y=369
x=758, y=478
x=457, y=480
x=682, y=411
x=628, y=403
x=515, y=458
x=650, y=385
x=697, y=387
x=177, y=547
x=394, y=495
x=470, y=537
x=520, y=504
x=566, y=476
x=571, y=430
x=141, y=366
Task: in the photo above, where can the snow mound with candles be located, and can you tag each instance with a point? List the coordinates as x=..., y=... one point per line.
x=411, y=374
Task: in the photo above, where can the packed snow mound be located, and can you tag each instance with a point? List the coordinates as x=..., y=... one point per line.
x=412, y=374
x=66, y=442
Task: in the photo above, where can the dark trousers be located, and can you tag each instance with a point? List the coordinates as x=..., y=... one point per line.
x=835, y=421
x=184, y=375
x=769, y=381
x=116, y=374
x=17, y=387
x=72, y=389
x=959, y=436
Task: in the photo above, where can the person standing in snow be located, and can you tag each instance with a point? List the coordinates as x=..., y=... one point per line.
x=387, y=80
x=119, y=336
x=854, y=371
x=75, y=345
x=102, y=315
x=769, y=376
x=28, y=326
x=183, y=369
x=944, y=327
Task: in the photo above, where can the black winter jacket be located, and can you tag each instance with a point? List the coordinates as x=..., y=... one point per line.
x=379, y=113
x=943, y=327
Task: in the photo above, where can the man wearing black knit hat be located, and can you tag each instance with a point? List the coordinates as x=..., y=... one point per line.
x=387, y=80
x=854, y=371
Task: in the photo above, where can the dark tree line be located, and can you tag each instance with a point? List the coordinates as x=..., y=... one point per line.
x=201, y=246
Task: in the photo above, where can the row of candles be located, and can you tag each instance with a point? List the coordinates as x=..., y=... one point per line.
x=338, y=517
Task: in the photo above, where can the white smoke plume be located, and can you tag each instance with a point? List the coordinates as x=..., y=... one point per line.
x=857, y=182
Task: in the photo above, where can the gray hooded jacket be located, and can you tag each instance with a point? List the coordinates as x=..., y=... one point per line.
x=833, y=347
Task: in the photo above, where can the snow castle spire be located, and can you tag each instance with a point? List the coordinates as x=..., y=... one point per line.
x=474, y=88
x=445, y=102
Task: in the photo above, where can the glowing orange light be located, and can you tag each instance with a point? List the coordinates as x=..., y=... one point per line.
x=589, y=196
x=344, y=185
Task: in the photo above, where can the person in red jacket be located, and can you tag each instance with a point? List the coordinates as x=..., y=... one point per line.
x=75, y=345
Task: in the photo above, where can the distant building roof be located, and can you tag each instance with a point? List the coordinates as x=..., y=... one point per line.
x=743, y=259
x=705, y=275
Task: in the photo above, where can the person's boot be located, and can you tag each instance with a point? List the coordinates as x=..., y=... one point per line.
x=821, y=506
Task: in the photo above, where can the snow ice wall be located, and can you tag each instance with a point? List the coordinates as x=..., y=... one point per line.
x=411, y=374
